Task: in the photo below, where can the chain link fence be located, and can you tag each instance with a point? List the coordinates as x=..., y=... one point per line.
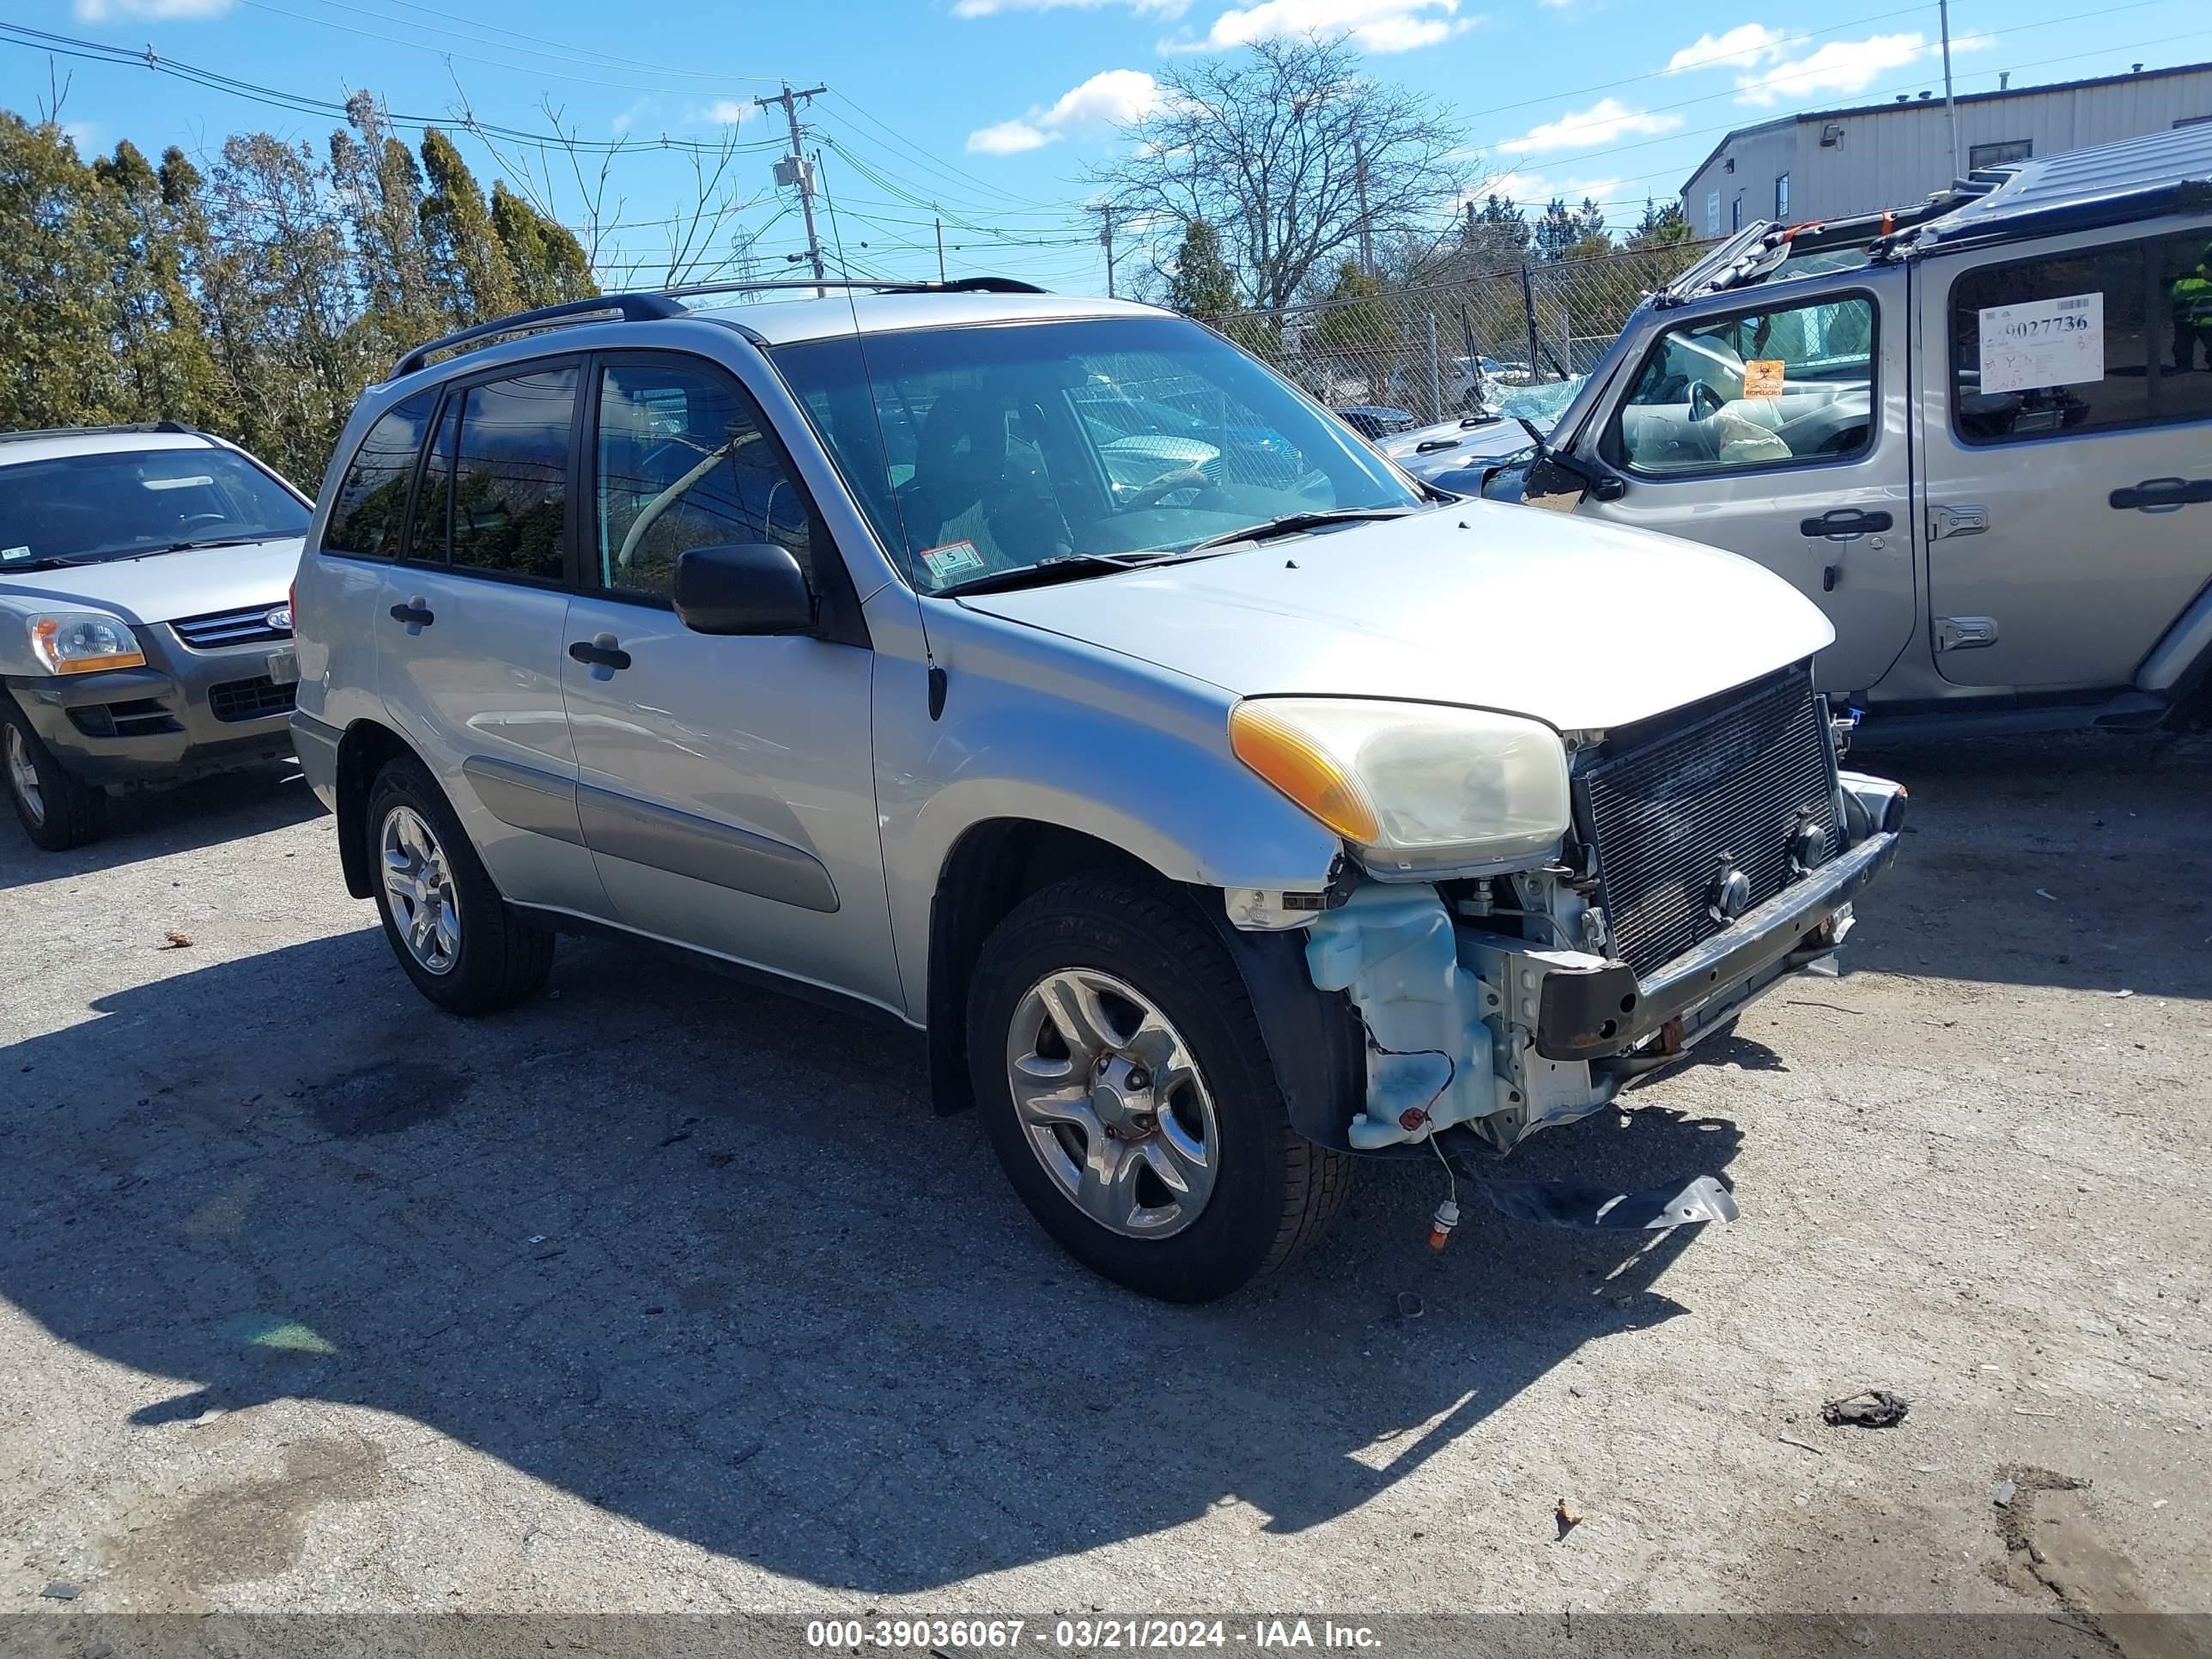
x=1440, y=350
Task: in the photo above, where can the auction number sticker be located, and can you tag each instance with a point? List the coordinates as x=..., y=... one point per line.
x=1763, y=377
x=2043, y=343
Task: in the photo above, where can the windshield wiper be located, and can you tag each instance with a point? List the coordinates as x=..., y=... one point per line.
x=1292, y=523
x=1061, y=568
x=10, y=567
x=215, y=541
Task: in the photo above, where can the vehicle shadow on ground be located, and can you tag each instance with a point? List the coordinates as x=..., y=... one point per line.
x=156, y=823
x=701, y=1256
x=2075, y=862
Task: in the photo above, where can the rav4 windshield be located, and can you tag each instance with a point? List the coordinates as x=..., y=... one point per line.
x=121, y=504
x=981, y=450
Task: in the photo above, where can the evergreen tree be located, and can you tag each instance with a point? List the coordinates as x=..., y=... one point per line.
x=547, y=260
x=469, y=270
x=1660, y=227
x=1201, y=284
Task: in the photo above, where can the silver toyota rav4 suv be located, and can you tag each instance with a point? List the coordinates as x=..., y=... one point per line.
x=1050, y=675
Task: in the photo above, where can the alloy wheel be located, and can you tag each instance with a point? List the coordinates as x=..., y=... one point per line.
x=23, y=775
x=1111, y=1101
x=418, y=882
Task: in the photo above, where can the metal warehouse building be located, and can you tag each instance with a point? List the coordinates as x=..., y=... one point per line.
x=1829, y=163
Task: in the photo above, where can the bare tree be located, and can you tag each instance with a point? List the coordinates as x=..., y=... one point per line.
x=1293, y=156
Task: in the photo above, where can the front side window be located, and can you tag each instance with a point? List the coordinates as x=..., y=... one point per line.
x=1999, y=155
x=2087, y=341
x=367, y=517
x=685, y=460
x=979, y=450
x=1760, y=389
x=510, y=475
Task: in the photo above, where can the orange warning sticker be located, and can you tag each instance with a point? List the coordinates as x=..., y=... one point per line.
x=1762, y=377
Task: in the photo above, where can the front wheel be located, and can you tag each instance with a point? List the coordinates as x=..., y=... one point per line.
x=1130, y=1100
x=56, y=811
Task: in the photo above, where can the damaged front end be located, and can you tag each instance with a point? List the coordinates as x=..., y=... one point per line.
x=1712, y=851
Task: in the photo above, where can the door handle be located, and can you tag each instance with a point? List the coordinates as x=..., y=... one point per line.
x=601, y=651
x=2162, y=494
x=415, y=613
x=1845, y=521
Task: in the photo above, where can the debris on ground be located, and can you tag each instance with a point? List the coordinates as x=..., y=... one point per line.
x=1410, y=1306
x=2122, y=993
x=2003, y=1492
x=173, y=940
x=2045, y=893
x=58, y=1591
x=1568, y=1516
x=1802, y=1445
x=1869, y=1408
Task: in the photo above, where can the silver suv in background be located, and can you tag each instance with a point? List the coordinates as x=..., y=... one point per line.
x=145, y=625
x=1976, y=432
x=1216, y=822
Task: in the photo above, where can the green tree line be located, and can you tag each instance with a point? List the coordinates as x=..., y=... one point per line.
x=255, y=294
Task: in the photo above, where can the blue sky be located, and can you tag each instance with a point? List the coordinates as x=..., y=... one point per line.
x=985, y=112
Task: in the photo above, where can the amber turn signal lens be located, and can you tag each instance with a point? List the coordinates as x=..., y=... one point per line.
x=1288, y=759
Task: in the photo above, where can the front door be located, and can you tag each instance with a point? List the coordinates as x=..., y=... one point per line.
x=1779, y=431
x=472, y=620
x=726, y=785
x=2067, y=437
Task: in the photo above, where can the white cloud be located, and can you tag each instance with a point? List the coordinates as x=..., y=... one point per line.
x=1007, y=138
x=1379, y=25
x=85, y=135
x=731, y=111
x=994, y=7
x=1602, y=122
x=1534, y=191
x=103, y=11
x=1770, y=68
x=1111, y=98
x=1745, y=43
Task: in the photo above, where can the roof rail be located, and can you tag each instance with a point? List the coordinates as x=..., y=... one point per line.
x=94, y=431
x=661, y=303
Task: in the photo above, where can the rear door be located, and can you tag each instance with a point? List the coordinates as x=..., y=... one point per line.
x=727, y=784
x=1779, y=430
x=2067, y=445
x=472, y=620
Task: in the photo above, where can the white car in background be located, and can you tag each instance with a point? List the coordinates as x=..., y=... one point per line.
x=145, y=617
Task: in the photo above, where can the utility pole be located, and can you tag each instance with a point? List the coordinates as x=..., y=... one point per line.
x=795, y=169
x=940, y=249
x=1105, y=212
x=1366, y=226
x=1950, y=109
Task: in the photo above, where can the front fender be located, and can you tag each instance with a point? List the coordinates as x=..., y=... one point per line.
x=1125, y=753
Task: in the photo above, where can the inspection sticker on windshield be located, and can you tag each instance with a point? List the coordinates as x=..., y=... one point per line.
x=951, y=559
x=1762, y=377
x=14, y=553
x=2043, y=343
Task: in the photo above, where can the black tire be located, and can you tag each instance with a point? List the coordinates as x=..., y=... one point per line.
x=501, y=959
x=1274, y=1193
x=69, y=813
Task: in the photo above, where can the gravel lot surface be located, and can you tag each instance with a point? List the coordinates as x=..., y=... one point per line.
x=665, y=1293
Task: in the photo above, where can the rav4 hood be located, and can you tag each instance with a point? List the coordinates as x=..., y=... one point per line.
x=161, y=587
x=1577, y=623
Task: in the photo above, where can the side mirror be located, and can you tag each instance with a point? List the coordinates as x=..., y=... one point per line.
x=742, y=589
x=1554, y=481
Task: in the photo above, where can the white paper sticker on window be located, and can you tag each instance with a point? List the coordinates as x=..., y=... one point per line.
x=2044, y=343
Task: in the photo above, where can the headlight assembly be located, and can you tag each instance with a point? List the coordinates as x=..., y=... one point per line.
x=84, y=642
x=1414, y=785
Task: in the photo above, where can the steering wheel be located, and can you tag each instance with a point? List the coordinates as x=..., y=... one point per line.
x=1703, y=401
x=1150, y=493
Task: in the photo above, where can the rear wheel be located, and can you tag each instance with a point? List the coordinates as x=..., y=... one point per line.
x=56, y=811
x=1130, y=1099
x=463, y=945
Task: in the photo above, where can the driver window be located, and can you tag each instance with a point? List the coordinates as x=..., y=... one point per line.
x=1758, y=389
x=684, y=461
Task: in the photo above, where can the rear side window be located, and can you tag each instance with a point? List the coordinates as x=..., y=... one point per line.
x=511, y=483
x=432, y=518
x=371, y=503
x=2086, y=341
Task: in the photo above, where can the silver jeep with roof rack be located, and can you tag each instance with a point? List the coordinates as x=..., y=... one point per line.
x=1976, y=432
x=1048, y=674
